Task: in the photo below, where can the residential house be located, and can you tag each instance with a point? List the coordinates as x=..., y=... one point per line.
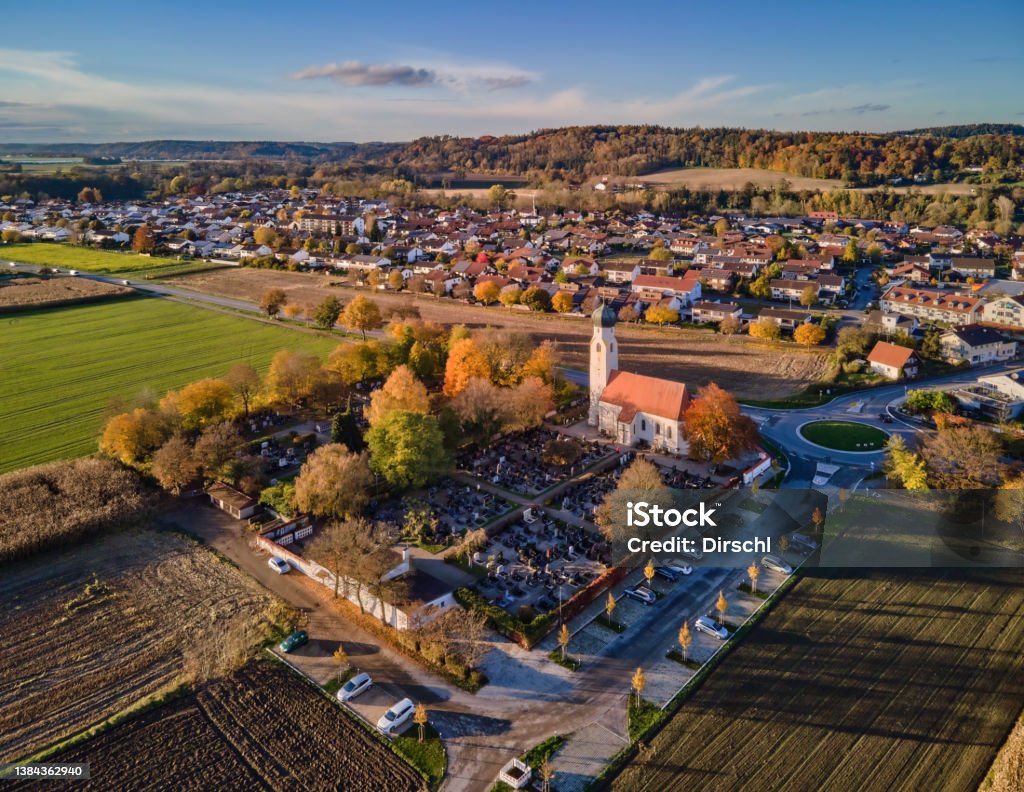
x=894, y=362
x=785, y=318
x=976, y=345
x=1005, y=312
x=685, y=289
x=705, y=311
x=935, y=305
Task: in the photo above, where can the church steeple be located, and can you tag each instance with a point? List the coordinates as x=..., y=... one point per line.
x=604, y=356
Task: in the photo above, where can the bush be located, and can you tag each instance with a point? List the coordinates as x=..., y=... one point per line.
x=63, y=502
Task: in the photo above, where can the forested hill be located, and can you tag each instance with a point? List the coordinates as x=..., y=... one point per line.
x=575, y=153
x=580, y=152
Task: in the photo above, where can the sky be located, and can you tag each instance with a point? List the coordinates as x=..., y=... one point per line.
x=393, y=71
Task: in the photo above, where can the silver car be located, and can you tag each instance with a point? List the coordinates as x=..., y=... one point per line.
x=360, y=683
x=709, y=626
x=776, y=563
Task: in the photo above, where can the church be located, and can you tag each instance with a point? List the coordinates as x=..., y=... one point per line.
x=631, y=407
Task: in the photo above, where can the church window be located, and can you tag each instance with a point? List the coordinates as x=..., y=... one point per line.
x=597, y=346
x=643, y=425
x=668, y=431
x=657, y=428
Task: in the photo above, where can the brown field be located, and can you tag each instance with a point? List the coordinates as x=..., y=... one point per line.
x=36, y=292
x=263, y=728
x=92, y=630
x=732, y=179
x=884, y=681
x=1007, y=772
x=692, y=356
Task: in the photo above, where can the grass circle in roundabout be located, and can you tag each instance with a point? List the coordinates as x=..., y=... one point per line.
x=844, y=436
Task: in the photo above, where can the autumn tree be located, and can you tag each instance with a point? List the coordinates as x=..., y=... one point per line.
x=609, y=606
x=359, y=362
x=272, y=301
x=661, y=315
x=809, y=334
x=479, y=407
x=649, y=571
x=174, y=466
x=200, y=403
x=562, y=302
x=764, y=329
x=487, y=292
x=685, y=640
x=638, y=683
x=217, y=447
x=132, y=437
x=542, y=363
x=904, y=466
x=292, y=376
x=536, y=299
x=407, y=449
x=526, y=404
x=715, y=428
x=641, y=481
x=395, y=280
x=466, y=361
x=402, y=391
x=326, y=314
x=245, y=382
x=720, y=605
x=420, y=719
x=730, y=325
x=362, y=314
x=965, y=457
x=143, y=241
x=564, y=638
x=753, y=572
x=334, y=482
x=809, y=296
x=510, y=295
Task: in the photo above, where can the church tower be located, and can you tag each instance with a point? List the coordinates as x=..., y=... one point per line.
x=604, y=356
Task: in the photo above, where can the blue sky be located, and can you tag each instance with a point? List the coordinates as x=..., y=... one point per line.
x=330, y=71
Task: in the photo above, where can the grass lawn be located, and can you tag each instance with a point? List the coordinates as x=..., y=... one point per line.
x=844, y=435
x=101, y=262
x=427, y=756
x=64, y=367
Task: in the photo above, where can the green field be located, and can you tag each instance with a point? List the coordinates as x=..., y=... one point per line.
x=63, y=368
x=844, y=435
x=101, y=262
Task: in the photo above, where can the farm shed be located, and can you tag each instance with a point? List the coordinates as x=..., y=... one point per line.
x=228, y=499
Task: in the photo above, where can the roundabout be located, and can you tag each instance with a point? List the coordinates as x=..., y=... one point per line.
x=848, y=436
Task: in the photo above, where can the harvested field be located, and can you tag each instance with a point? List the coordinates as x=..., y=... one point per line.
x=263, y=728
x=90, y=631
x=732, y=179
x=36, y=292
x=692, y=356
x=885, y=681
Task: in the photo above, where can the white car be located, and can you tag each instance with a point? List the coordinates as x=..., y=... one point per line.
x=360, y=683
x=126, y=282
x=396, y=717
x=802, y=541
x=279, y=565
x=672, y=572
x=641, y=594
x=73, y=273
x=776, y=563
x=11, y=264
x=709, y=626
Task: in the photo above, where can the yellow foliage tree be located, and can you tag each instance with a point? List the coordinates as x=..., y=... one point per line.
x=809, y=334
x=465, y=361
x=133, y=436
x=402, y=391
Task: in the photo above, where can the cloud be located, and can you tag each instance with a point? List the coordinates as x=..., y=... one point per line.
x=356, y=73
x=861, y=109
x=456, y=78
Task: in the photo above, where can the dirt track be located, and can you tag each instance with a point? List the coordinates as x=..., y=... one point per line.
x=746, y=367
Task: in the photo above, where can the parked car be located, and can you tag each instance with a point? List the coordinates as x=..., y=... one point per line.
x=279, y=565
x=709, y=626
x=803, y=542
x=126, y=282
x=641, y=594
x=73, y=273
x=294, y=641
x=360, y=683
x=396, y=717
x=693, y=555
x=776, y=563
x=672, y=572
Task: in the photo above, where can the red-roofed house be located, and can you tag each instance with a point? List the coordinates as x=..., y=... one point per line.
x=686, y=290
x=894, y=362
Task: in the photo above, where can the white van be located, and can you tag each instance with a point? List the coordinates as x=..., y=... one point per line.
x=395, y=718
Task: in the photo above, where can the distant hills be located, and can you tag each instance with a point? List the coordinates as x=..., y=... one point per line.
x=578, y=153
